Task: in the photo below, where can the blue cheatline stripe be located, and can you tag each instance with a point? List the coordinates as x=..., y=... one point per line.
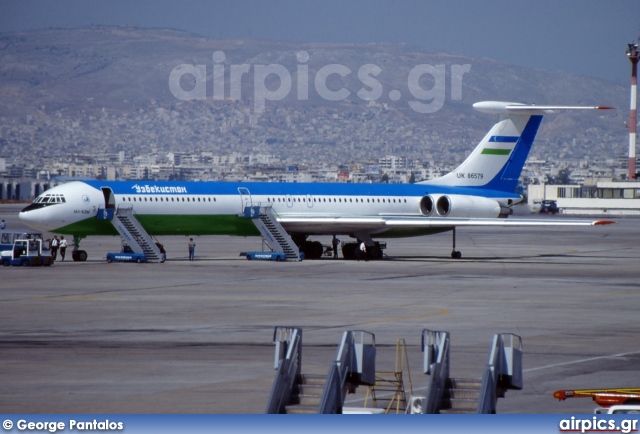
x=185, y=188
x=504, y=139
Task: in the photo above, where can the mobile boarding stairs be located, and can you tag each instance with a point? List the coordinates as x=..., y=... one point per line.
x=272, y=231
x=502, y=372
x=295, y=392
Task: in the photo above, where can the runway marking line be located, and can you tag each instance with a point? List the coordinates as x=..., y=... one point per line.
x=589, y=359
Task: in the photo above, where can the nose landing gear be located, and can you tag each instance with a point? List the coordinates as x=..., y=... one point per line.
x=77, y=254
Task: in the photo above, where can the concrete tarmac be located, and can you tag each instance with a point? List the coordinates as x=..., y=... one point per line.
x=196, y=337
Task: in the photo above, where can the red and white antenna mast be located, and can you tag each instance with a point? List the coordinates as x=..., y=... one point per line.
x=633, y=53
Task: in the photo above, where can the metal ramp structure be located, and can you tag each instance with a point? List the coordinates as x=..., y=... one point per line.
x=132, y=232
x=296, y=393
x=503, y=372
x=272, y=231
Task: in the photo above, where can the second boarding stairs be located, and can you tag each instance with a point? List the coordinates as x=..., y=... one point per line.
x=272, y=231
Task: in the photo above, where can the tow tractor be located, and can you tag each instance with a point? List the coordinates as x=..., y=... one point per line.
x=603, y=397
x=27, y=253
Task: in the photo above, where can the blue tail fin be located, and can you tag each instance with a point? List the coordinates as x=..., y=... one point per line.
x=497, y=162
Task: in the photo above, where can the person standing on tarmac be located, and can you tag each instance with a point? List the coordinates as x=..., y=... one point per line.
x=53, y=246
x=3, y=225
x=63, y=247
x=363, y=251
x=335, y=242
x=192, y=249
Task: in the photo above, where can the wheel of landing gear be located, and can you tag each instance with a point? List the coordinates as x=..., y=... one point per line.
x=349, y=250
x=317, y=249
x=82, y=255
x=375, y=252
x=456, y=254
x=312, y=249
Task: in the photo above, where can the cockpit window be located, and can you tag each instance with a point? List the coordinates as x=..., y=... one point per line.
x=44, y=200
x=50, y=198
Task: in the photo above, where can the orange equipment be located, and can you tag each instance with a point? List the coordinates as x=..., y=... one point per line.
x=603, y=397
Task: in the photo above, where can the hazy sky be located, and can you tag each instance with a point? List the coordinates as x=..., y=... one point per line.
x=587, y=37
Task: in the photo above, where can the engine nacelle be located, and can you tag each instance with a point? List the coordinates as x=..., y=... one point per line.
x=463, y=206
x=427, y=205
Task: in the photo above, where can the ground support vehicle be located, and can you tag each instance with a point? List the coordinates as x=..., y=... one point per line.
x=603, y=397
x=26, y=253
x=7, y=237
x=268, y=256
x=126, y=257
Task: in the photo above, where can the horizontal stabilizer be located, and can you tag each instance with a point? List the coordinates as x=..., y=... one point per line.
x=501, y=107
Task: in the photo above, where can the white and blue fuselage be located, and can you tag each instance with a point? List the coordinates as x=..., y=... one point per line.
x=479, y=192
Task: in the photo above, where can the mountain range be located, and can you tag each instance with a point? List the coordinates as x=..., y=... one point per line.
x=69, y=74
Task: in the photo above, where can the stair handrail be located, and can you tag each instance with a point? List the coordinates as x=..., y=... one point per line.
x=354, y=365
x=133, y=211
x=503, y=371
x=288, y=361
x=435, y=345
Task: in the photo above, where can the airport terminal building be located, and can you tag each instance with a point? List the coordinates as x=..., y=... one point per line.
x=596, y=198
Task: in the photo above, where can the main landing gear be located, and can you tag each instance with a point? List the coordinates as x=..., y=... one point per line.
x=350, y=250
x=455, y=254
x=311, y=249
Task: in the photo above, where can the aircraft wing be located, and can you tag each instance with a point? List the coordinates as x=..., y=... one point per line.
x=451, y=222
x=381, y=224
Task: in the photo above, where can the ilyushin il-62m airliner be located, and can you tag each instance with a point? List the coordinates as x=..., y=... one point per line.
x=480, y=192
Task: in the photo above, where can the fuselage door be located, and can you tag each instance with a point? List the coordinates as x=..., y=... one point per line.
x=290, y=201
x=107, y=211
x=309, y=201
x=245, y=198
x=109, y=198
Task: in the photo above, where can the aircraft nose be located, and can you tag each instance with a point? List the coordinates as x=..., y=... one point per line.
x=31, y=217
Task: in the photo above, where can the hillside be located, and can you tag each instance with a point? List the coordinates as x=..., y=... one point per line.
x=104, y=89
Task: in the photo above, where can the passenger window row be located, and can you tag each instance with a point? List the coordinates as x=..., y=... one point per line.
x=269, y=199
x=166, y=199
x=336, y=200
